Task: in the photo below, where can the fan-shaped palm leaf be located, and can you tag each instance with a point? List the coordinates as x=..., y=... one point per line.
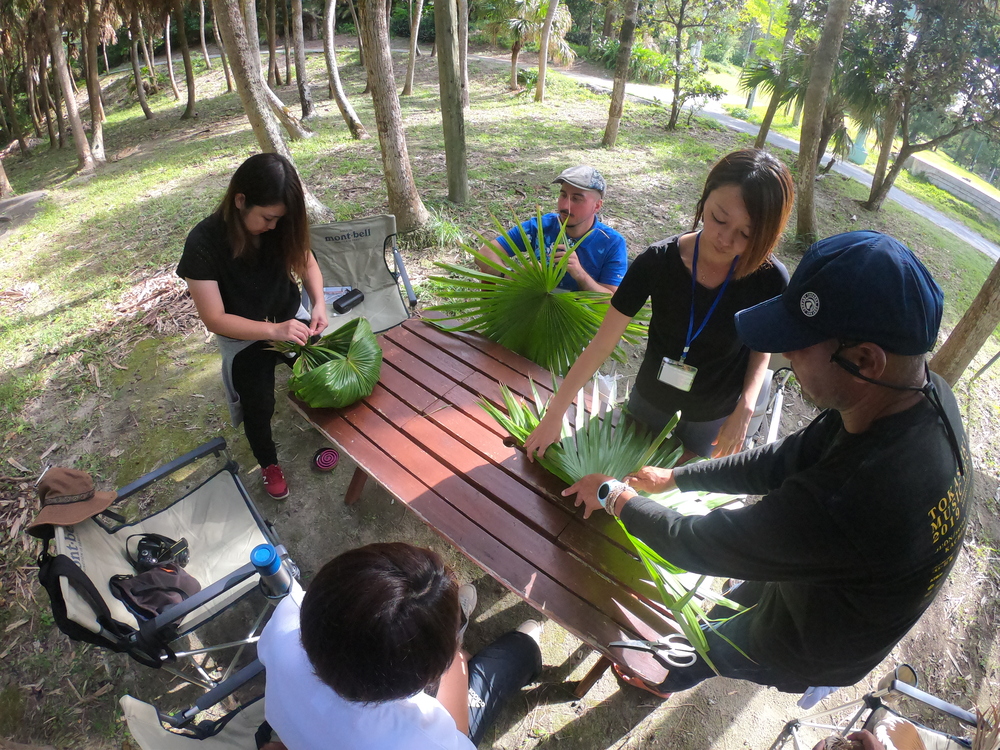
x=339, y=369
x=522, y=309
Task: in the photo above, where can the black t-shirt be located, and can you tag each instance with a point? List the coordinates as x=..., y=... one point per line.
x=849, y=545
x=253, y=286
x=721, y=358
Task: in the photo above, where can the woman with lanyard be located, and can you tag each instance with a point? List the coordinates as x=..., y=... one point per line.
x=697, y=282
x=241, y=265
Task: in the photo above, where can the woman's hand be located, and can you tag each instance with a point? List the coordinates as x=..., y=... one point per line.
x=319, y=320
x=586, y=492
x=733, y=432
x=548, y=431
x=291, y=330
x=651, y=479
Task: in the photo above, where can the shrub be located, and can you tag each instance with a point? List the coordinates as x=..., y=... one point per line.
x=646, y=65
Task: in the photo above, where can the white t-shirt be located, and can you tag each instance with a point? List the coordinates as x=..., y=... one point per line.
x=307, y=714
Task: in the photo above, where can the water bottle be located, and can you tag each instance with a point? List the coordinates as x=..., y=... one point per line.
x=275, y=579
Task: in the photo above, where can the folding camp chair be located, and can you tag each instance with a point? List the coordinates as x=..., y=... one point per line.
x=221, y=525
x=353, y=253
x=871, y=712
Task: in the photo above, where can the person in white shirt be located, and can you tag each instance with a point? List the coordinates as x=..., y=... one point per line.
x=371, y=656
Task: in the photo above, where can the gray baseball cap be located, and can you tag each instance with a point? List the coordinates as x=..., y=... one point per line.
x=583, y=177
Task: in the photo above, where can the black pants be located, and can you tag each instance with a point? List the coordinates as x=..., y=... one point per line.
x=253, y=379
x=495, y=674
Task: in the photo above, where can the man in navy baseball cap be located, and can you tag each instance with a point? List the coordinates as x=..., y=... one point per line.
x=863, y=511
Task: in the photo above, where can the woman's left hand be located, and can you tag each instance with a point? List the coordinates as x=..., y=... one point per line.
x=319, y=321
x=733, y=432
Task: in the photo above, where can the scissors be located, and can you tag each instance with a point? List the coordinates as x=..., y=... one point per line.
x=673, y=650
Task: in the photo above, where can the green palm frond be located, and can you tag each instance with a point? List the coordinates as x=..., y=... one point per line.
x=598, y=443
x=339, y=369
x=522, y=309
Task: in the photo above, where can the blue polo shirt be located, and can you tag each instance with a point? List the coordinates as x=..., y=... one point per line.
x=602, y=254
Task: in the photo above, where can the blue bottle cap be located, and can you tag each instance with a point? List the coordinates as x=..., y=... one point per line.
x=265, y=558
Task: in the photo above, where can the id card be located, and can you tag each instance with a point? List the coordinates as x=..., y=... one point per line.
x=677, y=374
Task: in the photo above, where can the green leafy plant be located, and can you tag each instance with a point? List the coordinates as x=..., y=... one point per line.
x=522, y=310
x=596, y=444
x=339, y=369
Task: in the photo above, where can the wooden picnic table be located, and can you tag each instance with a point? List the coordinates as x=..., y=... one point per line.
x=423, y=436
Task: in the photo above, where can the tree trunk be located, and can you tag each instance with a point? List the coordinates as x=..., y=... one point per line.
x=675, y=102
x=404, y=201
x=515, y=50
x=133, y=49
x=889, y=126
x=357, y=27
x=14, y=124
x=84, y=157
x=463, y=49
x=625, y=41
x=170, y=58
x=273, y=74
x=36, y=117
x=610, y=16
x=446, y=35
x=6, y=191
x=94, y=16
x=104, y=51
x=148, y=57
x=244, y=54
x=972, y=331
x=333, y=71
x=823, y=63
x=222, y=52
x=57, y=105
x=411, y=63
x=791, y=29
x=43, y=77
x=301, y=74
x=288, y=35
x=201, y=31
x=186, y=54
x=543, y=50
x=248, y=17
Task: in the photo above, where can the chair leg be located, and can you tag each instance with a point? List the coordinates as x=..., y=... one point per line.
x=596, y=672
x=356, y=486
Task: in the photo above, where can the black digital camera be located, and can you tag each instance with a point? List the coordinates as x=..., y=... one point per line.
x=154, y=550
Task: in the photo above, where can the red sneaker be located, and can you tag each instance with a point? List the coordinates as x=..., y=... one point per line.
x=274, y=482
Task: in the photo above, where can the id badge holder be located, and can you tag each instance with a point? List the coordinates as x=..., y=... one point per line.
x=677, y=374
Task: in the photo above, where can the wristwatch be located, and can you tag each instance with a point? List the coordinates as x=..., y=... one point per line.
x=608, y=492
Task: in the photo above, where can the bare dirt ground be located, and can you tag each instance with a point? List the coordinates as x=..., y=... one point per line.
x=161, y=395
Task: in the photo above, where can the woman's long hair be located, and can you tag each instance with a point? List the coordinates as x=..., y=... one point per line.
x=267, y=180
x=768, y=193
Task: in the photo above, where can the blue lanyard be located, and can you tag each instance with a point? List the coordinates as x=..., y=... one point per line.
x=694, y=283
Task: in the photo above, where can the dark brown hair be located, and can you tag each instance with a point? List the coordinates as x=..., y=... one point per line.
x=381, y=622
x=267, y=180
x=768, y=192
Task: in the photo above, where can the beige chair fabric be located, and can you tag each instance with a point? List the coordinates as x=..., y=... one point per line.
x=143, y=723
x=897, y=733
x=351, y=253
x=214, y=519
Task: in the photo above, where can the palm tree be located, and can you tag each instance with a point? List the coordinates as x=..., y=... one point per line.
x=520, y=22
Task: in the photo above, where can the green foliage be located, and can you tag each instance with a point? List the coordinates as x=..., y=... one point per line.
x=339, y=369
x=527, y=78
x=522, y=309
x=399, y=23
x=645, y=65
x=594, y=445
x=740, y=113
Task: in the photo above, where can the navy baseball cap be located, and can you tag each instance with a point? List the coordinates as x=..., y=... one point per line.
x=858, y=286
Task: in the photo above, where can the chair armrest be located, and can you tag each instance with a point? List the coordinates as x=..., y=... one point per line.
x=966, y=717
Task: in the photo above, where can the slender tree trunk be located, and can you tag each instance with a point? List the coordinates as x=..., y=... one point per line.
x=273, y=75
x=245, y=57
x=13, y=123
x=416, y=10
x=333, y=71
x=515, y=50
x=463, y=49
x=43, y=77
x=446, y=34
x=823, y=63
x=543, y=50
x=301, y=74
x=201, y=31
x=69, y=58
x=148, y=57
x=625, y=41
x=222, y=52
x=610, y=16
x=170, y=58
x=288, y=35
x=791, y=29
x=188, y=66
x=36, y=119
x=972, y=331
x=57, y=105
x=84, y=157
x=357, y=27
x=5, y=131
x=675, y=102
x=6, y=191
x=404, y=201
x=104, y=51
x=889, y=126
x=248, y=11
x=133, y=48
x=95, y=13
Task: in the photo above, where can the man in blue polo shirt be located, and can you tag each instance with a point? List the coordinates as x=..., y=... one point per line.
x=598, y=263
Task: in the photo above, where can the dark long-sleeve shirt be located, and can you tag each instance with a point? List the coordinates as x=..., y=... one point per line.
x=852, y=539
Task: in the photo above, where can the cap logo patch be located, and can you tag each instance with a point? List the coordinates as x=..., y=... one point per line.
x=809, y=304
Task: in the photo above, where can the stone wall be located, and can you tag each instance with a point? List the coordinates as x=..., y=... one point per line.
x=959, y=187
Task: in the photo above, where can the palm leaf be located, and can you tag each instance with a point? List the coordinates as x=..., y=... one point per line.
x=339, y=369
x=595, y=444
x=522, y=309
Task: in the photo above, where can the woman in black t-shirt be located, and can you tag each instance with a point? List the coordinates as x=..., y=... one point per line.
x=241, y=265
x=694, y=361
